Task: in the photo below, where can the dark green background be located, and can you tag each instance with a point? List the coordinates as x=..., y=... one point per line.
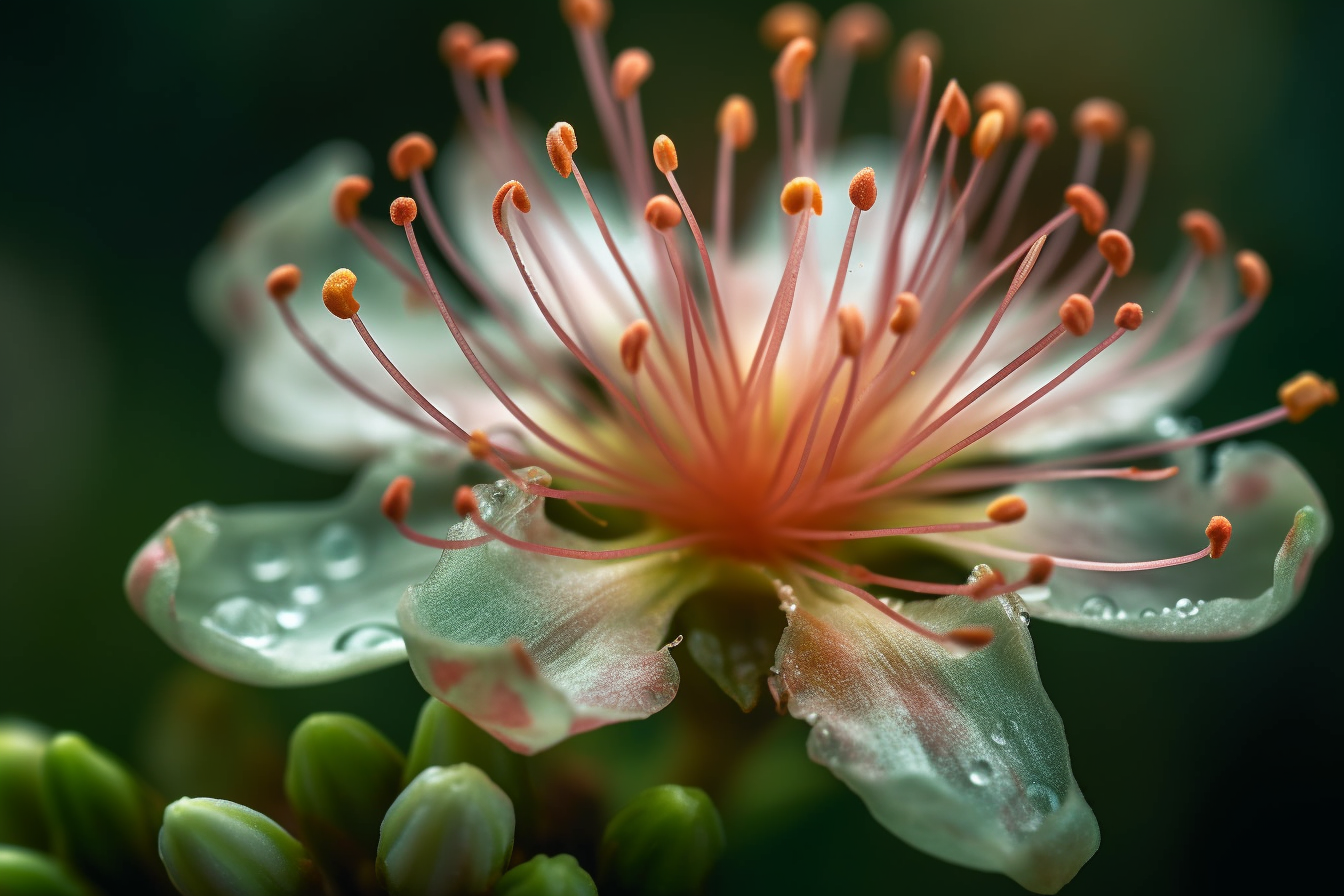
x=132, y=129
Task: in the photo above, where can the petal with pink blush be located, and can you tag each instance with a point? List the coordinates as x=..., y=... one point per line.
x=962, y=756
x=536, y=648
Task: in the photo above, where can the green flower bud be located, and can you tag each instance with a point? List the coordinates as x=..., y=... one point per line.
x=23, y=820
x=341, y=778
x=443, y=736
x=450, y=832
x=104, y=818
x=547, y=876
x=24, y=872
x=218, y=848
x=665, y=843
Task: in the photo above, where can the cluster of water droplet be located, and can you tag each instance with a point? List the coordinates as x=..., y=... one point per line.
x=1099, y=606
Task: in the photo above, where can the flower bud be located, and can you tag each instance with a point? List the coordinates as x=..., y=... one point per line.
x=218, y=848
x=666, y=841
x=26, y=872
x=341, y=777
x=450, y=832
x=547, y=876
x=23, y=820
x=104, y=818
x=443, y=736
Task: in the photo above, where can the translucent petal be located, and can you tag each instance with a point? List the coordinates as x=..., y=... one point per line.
x=1279, y=524
x=294, y=594
x=535, y=648
x=275, y=396
x=963, y=757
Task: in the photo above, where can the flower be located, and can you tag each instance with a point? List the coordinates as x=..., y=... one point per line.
x=816, y=408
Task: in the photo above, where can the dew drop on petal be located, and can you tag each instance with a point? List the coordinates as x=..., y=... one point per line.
x=247, y=621
x=339, y=551
x=370, y=636
x=811, y=718
x=1098, y=606
x=1043, y=798
x=306, y=594
x=1024, y=616
x=267, y=561
x=980, y=773
x=290, y=619
x=1034, y=593
x=1186, y=607
x=1147, y=613
x=998, y=737
x=1167, y=427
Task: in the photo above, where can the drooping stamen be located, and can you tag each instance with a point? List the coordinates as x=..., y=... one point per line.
x=346, y=197
x=851, y=347
x=1038, y=572
x=1038, y=129
x=855, y=31
x=455, y=45
x=736, y=125
x=987, y=477
x=1218, y=532
x=396, y=503
x=1001, y=512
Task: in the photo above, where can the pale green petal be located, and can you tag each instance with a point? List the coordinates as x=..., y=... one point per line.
x=1279, y=525
x=294, y=594
x=534, y=648
x=964, y=756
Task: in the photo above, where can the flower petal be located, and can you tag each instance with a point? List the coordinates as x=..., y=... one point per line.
x=294, y=594
x=275, y=396
x=1258, y=487
x=535, y=648
x=963, y=757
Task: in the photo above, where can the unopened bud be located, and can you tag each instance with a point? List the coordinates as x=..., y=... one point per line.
x=666, y=840
x=27, y=872
x=443, y=736
x=23, y=820
x=450, y=831
x=218, y=848
x=547, y=876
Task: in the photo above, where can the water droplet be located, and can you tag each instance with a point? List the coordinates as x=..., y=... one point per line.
x=249, y=622
x=290, y=618
x=338, y=549
x=774, y=670
x=811, y=718
x=1034, y=593
x=370, y=636
x=1043, y=798
x=267, y=561
x=1024, y=616
x=981, y=772
x=1201, y=602
x=1167, y=427
x=1098, y=606
x=1186, y=607
x=306, y=595
x=1147, y=613
x=786, y=599
x=1166, y=611
x=996, y=735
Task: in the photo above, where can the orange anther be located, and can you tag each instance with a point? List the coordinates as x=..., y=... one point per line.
x=664, y=154
x=1129, y=316
x=863, y=189
x=1077, y=314
x=520, y=202
x=851, y=330
x=784, y=22
x=987, y=585
x=586, y=13
x=1039, y=569
x=631, y=69
x=631, y=347
x=464, y=501
x=338, y=293
x=412, y=153
x=662, y=212
x=1007, y=99
x=737, y=119
x=1219, y=532
x=1254, y=275
x=1204, y=231
x=1100, y=118
x=492, y=58
x=1089, y=205
x=1006, y=509
x=1305, y=394
x=988, y=133
x=347, y=195
x=861, y=28
x=972, y=637
x=905, y=67
x=561, y=141
x=1139, y=143
x=906, y=315
x=956, y=109
x=798, y=194
x=455, y=43
x=1039, y=127
x=790, y=69
x=396, y=502
x=281, y=282
x=478, y=444
x=403, y=211
x=1118, y=251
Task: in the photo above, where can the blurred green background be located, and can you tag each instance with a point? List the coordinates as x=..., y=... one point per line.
x=132, y=129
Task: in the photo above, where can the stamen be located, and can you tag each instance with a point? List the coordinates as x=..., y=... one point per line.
x=587, y=19
x=402, y=211
x=633, y=340
x=1006, y=509
x=1001, y=512
x=345, y=200
x=338, y=293
x=955, y=109
x=989, y=130
x=492, y=59
x=1077, y=314
x=736, y=126
x=786, y=21
x=986, y=477
x=1006, y=99
x=413, y=152
x=281, y=282
x=1099, y=118
x=630, y=70
x=1204, y=231
x=662, y=212
x=855, y=31
x=1219, y=532
x=1306, y=394
x=586, y=13
x=790, y=75
x=906, y=315
x=863, y=194
x=1038, y=572
x=905, y=67
x=1038, y=127
x=1089, y=205
x=455, y=43
x=348, y=193
x=851, y=330
x=1118, y=251
x=1254, y=274
x=396, y=503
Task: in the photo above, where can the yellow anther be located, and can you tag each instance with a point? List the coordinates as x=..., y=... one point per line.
x=790, y=69
x=737, y=119
x=988, y=133
x=798, y=194
x=1007, y=99
x=1305, y=394
x=664, y=153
